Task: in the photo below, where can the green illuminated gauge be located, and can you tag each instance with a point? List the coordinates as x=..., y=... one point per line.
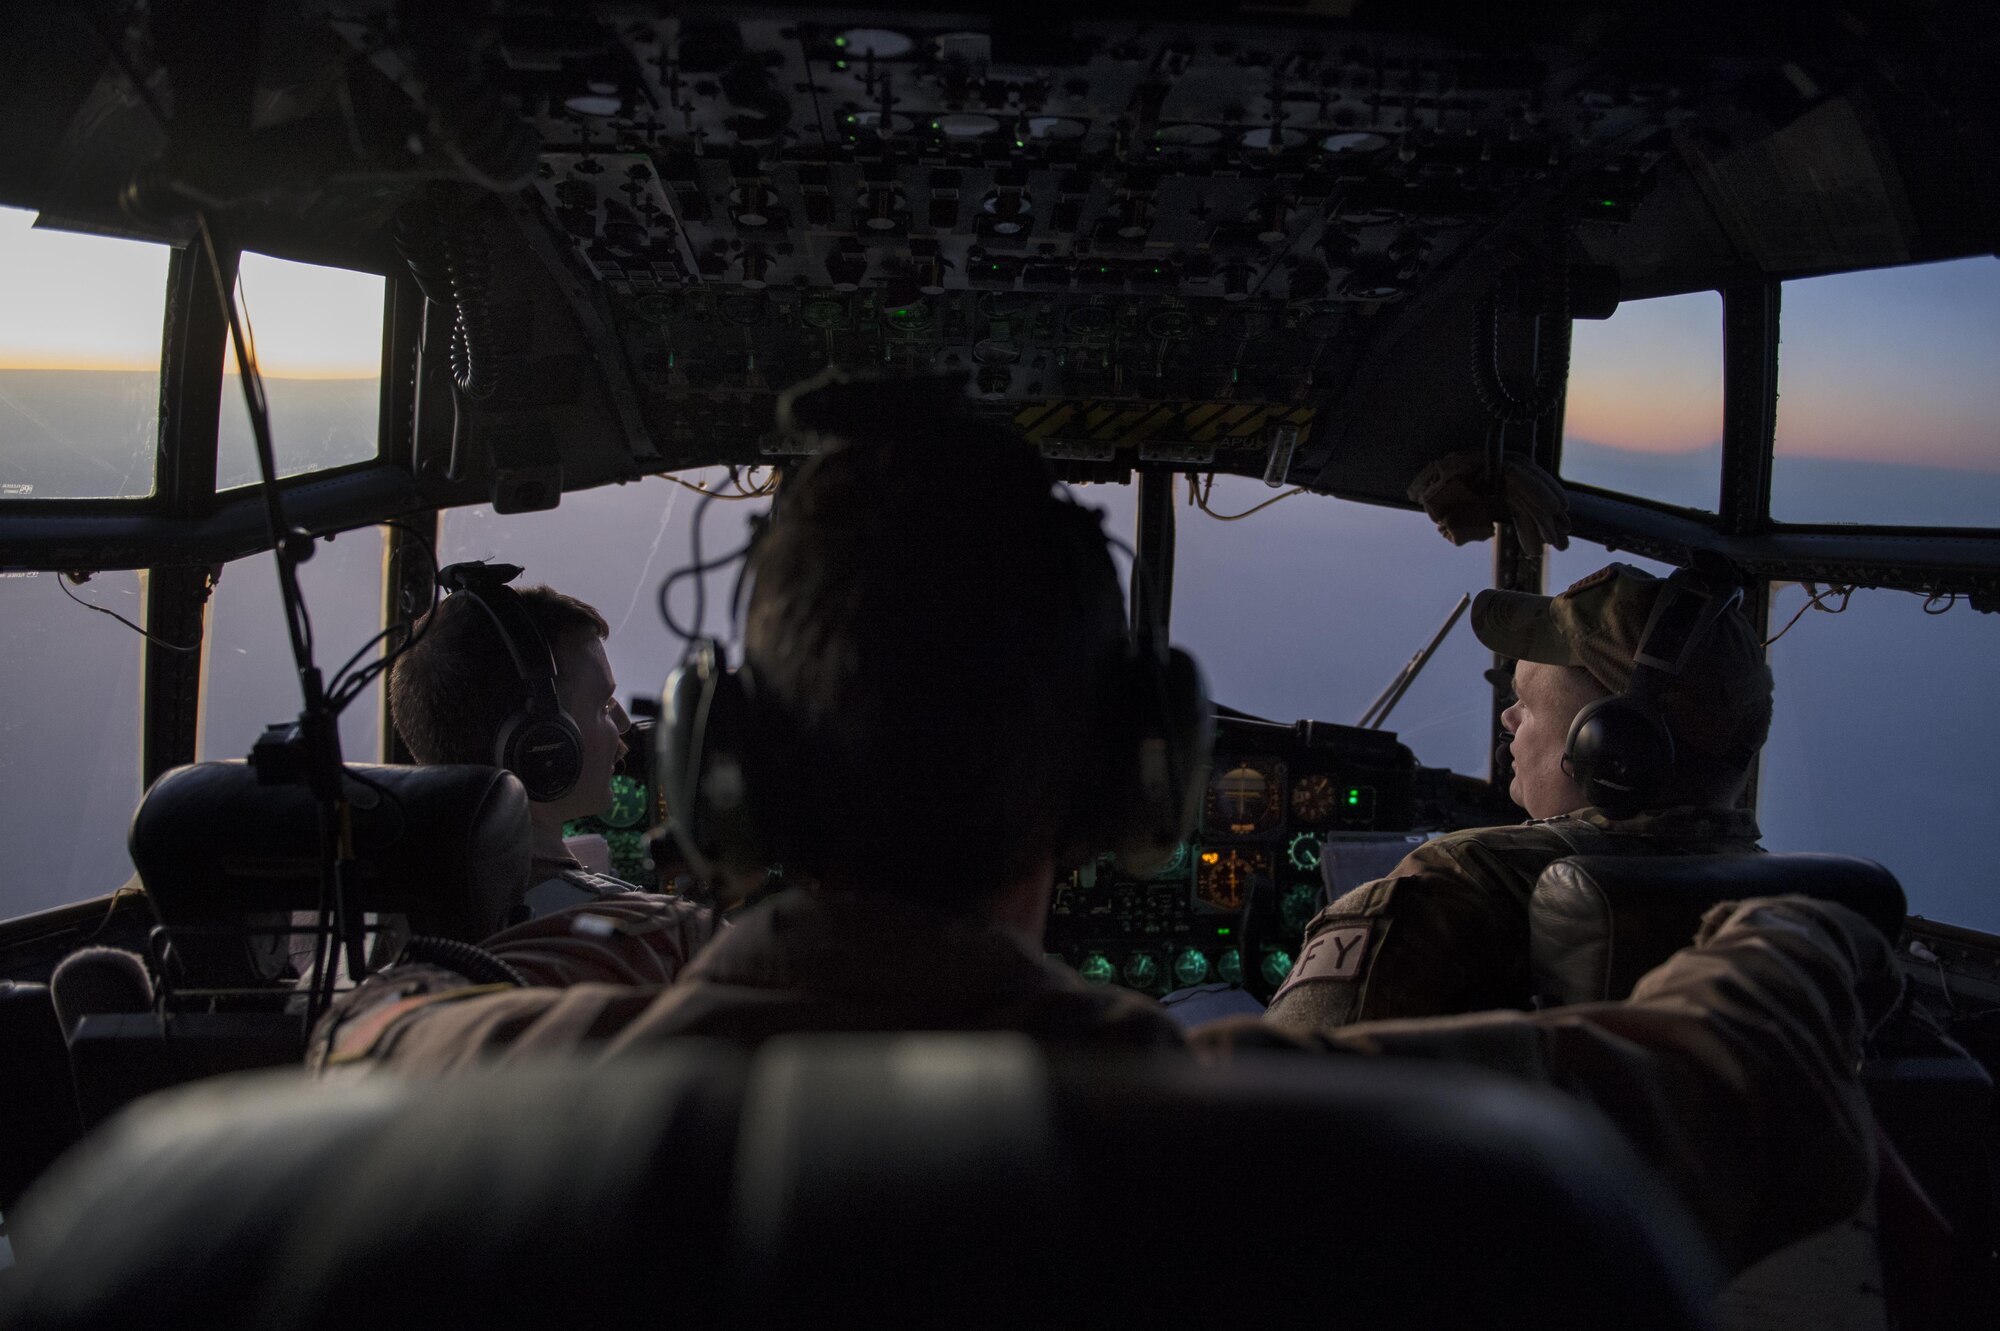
x=1175, y=862
x=1191, y=966
x=1142, y=970
x=1299, y=905
x=1229, y=966
x=628, y=803
x=1097, y=969
x=1243, y=799
x=1277, y=966
x=825, y=313
x=909, y=318
x=1304, y=852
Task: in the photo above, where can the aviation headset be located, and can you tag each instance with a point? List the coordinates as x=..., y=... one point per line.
x=1159, y=733
x=1620, y=750
x=538, y=742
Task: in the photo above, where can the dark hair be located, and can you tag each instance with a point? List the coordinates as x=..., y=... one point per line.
x=450, y=692
x=931, y=634
x=1691, y=709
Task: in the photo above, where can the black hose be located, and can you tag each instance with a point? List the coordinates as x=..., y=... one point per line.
x=475, y=964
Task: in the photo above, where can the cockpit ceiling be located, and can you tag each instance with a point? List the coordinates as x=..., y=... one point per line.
x=1252, y=240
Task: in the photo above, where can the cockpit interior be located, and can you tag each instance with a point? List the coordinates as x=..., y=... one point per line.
x=1720, y=278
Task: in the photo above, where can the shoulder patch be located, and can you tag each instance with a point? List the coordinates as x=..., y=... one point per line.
x=1332, y=954
x=1605, y=574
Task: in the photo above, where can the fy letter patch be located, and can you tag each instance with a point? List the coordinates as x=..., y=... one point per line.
x=1331, y=954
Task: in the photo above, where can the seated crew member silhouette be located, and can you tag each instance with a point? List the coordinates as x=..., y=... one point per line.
x=937, y=711
x=1447, y=931
x=518, y=678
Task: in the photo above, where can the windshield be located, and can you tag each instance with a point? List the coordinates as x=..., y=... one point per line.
x=80, y=327
x=1310, y=607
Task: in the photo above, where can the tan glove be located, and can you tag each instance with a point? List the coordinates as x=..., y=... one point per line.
x=1455, y=492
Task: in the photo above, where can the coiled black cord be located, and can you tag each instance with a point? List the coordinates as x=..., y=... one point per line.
x=474, y=963
x=451, y=258
x=469, y=259
x=1552, y=346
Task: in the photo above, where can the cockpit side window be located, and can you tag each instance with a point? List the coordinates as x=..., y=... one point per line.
x=80, y=327
x=317, y=333
x=248, y=679
x=1885, y=743
x=69, y=738
x=1309, y=608
x=1888, y=404
x=1643, y=411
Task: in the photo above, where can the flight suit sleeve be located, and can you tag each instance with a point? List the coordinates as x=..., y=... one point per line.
x=1446, y=933
x=425, y=1020
x=1732, y=1067
x=635, y=938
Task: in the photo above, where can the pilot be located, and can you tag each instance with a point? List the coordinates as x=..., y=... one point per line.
x=455, y=688
x=932, y=641
x=452, y=692
x=1447, y=931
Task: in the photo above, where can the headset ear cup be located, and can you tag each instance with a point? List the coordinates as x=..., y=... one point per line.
x=1619, y=752
x=544, y=749
x=1163, y=767
x=701, y=741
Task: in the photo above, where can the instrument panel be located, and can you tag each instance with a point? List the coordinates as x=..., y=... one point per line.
x=1231, y=907
x=1139, y=243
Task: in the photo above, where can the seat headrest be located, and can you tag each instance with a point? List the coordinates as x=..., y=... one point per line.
x=1596, y=923
x=912, y=1180
x=446, y=845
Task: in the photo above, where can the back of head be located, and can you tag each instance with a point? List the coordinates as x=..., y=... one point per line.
x=455, y=686
x=931, y=633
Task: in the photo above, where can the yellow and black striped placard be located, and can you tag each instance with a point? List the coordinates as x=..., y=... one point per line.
x=1128, y=424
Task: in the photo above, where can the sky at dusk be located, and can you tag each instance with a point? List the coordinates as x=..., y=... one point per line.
x=1895, y=365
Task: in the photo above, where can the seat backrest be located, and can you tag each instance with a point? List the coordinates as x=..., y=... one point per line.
x=38, y=1114
x=447, y=846
x=927, y=1180
x=1597, y=923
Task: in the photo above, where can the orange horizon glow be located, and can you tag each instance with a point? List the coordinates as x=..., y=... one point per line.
x=111, y=365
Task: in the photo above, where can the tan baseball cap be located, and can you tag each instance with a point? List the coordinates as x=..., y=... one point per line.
x=1719, y=704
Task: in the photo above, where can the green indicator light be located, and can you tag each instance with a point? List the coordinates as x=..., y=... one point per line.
x=1102, y=269
x=1223, y=932
x=1277, y=966
x=1020, y=143
x=1354, y=797
x=1191, y=967
x=934, y=124
x=840, y=64
x=840, y=41
x=1607, y=203
x=1097, y=969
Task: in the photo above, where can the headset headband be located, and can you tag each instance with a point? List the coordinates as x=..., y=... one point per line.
x=1687, y=607
x=486, y=585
